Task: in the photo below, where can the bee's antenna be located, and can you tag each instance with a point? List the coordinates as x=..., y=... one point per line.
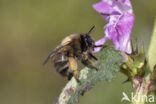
x=91, y=30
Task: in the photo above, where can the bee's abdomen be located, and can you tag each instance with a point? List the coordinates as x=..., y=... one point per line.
x=61, y=64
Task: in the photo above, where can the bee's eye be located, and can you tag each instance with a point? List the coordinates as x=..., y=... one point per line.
x=90, y=41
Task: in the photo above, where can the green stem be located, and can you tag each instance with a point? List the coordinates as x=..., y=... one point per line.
x=152, y=49
x=141, y=92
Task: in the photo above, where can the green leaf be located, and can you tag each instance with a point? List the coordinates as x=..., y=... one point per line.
x=152, y=49
x=108, y=65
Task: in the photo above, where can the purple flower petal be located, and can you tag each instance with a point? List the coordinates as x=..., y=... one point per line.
x=100, y=42
x=120, y=18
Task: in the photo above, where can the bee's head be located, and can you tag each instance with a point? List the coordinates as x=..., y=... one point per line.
x=87, y=41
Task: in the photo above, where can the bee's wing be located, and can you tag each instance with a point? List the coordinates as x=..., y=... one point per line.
x=50, y=55
x=53, y=53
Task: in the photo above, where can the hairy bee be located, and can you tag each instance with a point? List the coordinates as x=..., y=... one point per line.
x=74, y=47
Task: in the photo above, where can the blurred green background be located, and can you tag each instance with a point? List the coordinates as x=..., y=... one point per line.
x=31, y=29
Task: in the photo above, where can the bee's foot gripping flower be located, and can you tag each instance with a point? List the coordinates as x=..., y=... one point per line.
x=120, y=18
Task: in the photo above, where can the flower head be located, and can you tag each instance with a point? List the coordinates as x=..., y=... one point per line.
x=120, y=18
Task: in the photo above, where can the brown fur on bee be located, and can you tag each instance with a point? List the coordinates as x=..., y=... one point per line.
x=74, y=47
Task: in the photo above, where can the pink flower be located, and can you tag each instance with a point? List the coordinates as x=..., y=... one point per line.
x=120, y=18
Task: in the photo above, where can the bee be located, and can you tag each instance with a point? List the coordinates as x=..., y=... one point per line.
x=73, y=48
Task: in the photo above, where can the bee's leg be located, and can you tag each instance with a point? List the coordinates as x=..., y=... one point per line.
x=75, y=74
x=92, y=56
x=73, y=67
x=103, y=46
x=89, y=63
x=70, y=75
x=98, y=45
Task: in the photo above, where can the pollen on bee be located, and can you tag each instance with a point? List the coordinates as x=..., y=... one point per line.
x=73, y=63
